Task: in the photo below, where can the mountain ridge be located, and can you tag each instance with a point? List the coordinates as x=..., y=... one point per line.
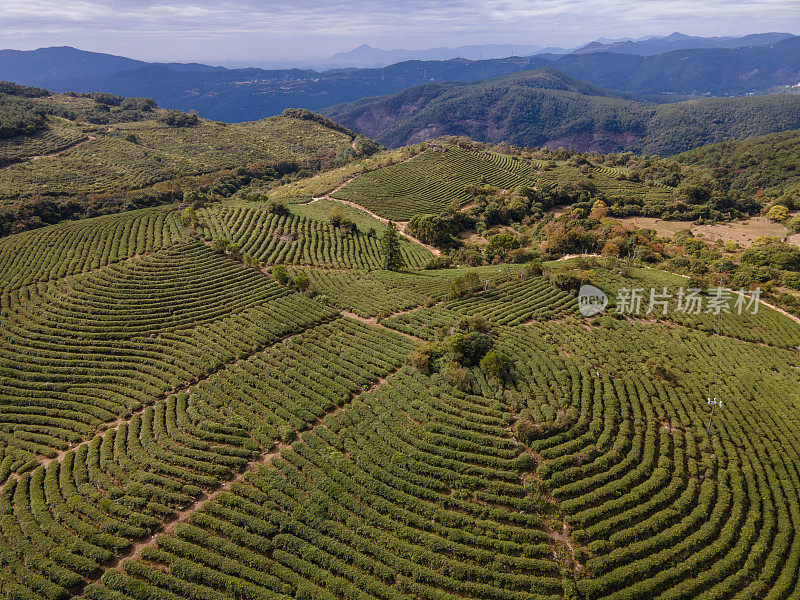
x=547, y=108
x=247, y=94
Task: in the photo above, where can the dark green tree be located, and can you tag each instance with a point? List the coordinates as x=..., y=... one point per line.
x=390, y=243
x=280, y=274
x=301, y=282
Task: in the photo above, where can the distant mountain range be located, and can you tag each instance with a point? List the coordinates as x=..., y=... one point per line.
x=46, y=66
x=247, y=94
x=679, y=41
x=546, y=108
x=366, y=56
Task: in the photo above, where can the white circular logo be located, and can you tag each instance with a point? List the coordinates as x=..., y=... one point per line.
x=591, y=300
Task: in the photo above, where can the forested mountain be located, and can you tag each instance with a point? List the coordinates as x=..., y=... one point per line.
x=547, y=108
x=247, y=94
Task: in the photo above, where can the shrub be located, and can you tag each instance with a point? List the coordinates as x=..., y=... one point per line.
x=465, y=285
x=277, y=207
x=280, y=274
x=501, y=244
x=469, y=348
x=176, y=118
x=302, y=282
x=496, y=366
x=778, y=213
x=220, y=245
x=565, y=281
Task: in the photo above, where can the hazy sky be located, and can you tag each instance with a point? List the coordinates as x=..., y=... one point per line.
x=270, y=30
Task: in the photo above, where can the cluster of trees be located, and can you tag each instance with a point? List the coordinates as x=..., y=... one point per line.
x=177, y=118
x=346, y=226
x=437, y=230
x=310, y=115
x=469, y=343
x=8, y=88
x=301, y=282
x=19, y=117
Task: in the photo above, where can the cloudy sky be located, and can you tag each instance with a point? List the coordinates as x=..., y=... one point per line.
x=275, y=30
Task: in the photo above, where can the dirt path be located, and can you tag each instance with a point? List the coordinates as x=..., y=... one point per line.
x=266, y=457
x=571, y=256
x=112, y=425
x=374, y=321
x=778, y=309
x=183, y=516
x=401, y=225
x=28, y=159
x=562, y=537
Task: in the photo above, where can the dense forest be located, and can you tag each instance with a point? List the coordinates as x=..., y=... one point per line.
x=547, y=108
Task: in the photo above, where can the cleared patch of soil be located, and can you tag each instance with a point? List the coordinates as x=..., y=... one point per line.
x=743, y=232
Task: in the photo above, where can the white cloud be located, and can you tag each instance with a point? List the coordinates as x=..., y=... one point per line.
x=260, y=29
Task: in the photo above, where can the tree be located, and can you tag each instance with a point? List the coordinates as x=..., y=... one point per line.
x=610, y=249
x=465, y=285
x=770, y=252
x=392, y=259
x=335, y=216
x=469, y=348
x=778, y=213
x=220, y=245
x=277, y=207
x=234, y=250
x=280, y=274
x=501, y=244
x=431, y=229
x=301, y=282
x=496, y=365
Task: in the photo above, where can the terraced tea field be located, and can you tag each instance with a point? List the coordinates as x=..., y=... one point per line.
x=69, y=248
x=383, y=293
x=431, y=182
x=428, y=183
x=175, y=425
x=299, y=239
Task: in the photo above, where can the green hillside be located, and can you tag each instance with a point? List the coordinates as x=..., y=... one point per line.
x=768, y=163
x=546, y=108
x=451, y=172
x=178, y=425
x=63, y=155
x=263, y=389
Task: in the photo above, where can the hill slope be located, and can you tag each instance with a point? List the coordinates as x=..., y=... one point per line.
x=71, y=155
x=176, y=425
x=546, y=108
x=768, y=163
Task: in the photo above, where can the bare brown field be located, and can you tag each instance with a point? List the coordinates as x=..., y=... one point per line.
x=743, y=232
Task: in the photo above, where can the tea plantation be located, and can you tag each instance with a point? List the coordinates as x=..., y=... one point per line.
x=177, y=425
